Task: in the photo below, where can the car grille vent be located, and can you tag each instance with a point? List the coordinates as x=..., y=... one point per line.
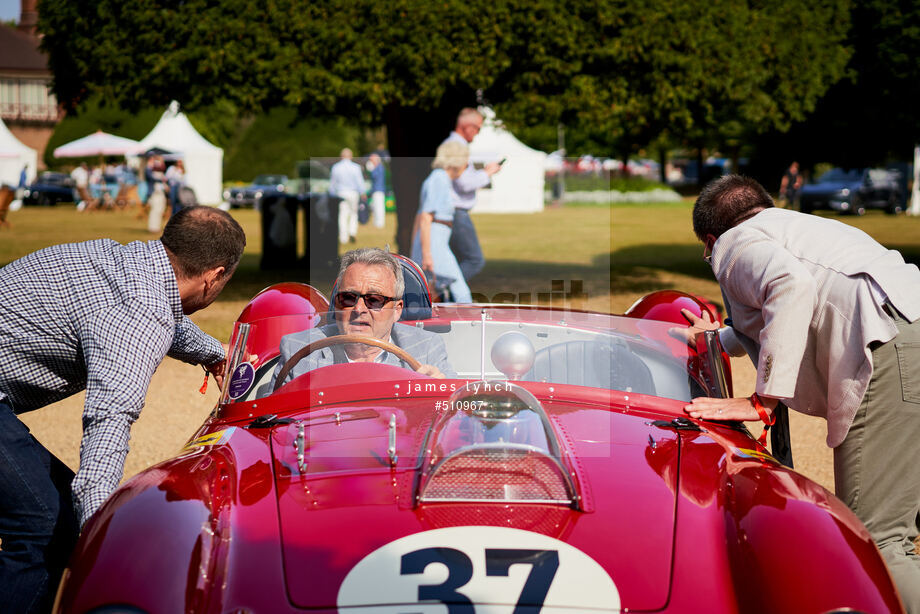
x=498, y=474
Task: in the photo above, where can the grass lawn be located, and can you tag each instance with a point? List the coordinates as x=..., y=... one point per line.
x=616, y=253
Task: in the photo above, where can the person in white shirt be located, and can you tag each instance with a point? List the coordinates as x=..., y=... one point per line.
x=347, y=182
x=464, y=242
x=175, y=179
x=80, y=176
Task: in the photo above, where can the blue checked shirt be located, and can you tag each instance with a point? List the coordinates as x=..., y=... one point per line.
x=101, y=316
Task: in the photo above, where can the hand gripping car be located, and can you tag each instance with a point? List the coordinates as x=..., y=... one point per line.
x=557, y=473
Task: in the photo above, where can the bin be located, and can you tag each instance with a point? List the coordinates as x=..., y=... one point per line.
x=321, y=228
x=279, y=231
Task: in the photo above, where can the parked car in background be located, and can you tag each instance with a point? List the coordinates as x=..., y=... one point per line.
x=853, y=191
x=49, y=188
x=247, y=196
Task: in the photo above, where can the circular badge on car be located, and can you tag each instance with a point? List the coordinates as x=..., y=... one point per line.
x=241, y=381
x=500, y=568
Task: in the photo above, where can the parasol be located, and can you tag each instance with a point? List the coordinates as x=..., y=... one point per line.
x=98, y=144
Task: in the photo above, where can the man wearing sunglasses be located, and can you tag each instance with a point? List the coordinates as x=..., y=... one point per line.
x=368, y=302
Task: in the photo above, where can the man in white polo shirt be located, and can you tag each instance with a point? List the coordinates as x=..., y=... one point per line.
x=463, y=240
x=347, y=182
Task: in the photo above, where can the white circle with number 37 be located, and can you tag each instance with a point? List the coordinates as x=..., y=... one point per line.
x=467, y=570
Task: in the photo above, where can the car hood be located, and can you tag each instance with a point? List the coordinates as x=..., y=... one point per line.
x=354, y=534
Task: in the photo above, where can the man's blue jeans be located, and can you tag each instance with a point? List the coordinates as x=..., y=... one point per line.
x=465, y=245
x=38, y=525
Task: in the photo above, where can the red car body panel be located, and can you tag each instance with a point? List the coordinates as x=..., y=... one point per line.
x=314, y=507
x=289, y=512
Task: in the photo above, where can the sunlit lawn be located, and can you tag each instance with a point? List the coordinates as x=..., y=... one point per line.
x=617, y=253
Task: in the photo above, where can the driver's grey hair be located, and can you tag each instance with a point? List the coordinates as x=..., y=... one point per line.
x=377, y=257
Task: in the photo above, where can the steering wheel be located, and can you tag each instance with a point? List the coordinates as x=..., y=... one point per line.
x=319, y=344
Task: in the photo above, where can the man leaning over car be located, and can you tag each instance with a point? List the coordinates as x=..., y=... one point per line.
x=831, y=320
x=98, y=316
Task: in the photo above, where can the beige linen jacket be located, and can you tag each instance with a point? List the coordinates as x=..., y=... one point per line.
x=798, y=289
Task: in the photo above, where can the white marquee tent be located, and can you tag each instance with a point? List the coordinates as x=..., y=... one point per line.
x=518, y=186
x=204, y=162
x=13, y=156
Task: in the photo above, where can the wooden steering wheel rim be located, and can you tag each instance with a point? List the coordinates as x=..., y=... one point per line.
x=319, y=344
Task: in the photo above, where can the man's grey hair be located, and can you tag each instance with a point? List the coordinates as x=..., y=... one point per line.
x=376, y=257
x=468, y=115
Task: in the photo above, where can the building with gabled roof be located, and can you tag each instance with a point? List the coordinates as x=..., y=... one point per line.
x=27, y=106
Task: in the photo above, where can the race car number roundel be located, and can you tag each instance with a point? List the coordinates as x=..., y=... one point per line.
x=478, y=569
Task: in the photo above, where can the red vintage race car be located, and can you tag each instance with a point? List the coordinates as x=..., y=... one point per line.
x=557, y=473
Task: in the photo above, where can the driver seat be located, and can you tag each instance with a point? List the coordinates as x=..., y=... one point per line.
x=417, y=295
x=599, y=364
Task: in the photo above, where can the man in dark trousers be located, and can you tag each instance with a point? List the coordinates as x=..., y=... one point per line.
x=98, y=316
x=831, y=319
x=463, y=240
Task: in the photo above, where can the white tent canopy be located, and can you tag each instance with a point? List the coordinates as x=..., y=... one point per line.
x=204, y=162
x=13, y=156
x=518, y=186
x=98, y=143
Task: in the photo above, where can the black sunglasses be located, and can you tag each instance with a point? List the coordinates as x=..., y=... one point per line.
x=374, y=302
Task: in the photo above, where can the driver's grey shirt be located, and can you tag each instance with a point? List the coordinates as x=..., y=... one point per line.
x=423, y=345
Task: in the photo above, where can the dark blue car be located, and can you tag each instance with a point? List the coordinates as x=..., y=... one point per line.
x=854, y=191
x=248, y=196
x=49, y=188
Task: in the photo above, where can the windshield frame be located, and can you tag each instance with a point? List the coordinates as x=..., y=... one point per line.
x=470, y=331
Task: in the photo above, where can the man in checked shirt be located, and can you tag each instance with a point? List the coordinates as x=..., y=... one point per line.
x=98, y=316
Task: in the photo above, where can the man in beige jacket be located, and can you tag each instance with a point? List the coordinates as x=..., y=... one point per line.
x=831, y=319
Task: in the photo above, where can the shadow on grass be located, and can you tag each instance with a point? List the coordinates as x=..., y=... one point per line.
x=249, y=278
x=636, y=269
x=620, y=272
x=684, y=259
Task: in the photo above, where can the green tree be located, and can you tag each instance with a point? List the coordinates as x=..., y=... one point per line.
x=624, y=69
x=871, y=116
x=703, y=74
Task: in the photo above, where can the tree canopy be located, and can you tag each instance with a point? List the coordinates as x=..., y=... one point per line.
x=631, y=70
x=624, y=72
x=870, y=116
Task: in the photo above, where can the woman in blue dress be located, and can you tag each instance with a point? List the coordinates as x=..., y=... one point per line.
x=435, y=219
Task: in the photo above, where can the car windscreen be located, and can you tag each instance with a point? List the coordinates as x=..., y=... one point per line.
x=479, y=343
x=269, y=180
